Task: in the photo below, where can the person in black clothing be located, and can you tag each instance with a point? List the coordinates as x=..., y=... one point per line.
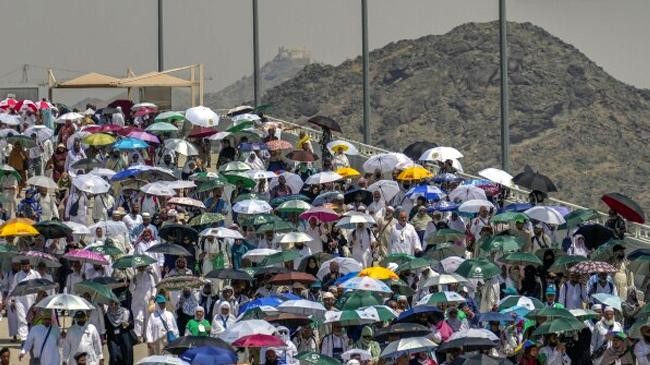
x=330, y=277
x=616, y=224
x=227, y=153
x=530, y=286
x=119, y=339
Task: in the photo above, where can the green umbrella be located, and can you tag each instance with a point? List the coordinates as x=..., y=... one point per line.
x=521, y=258
x=206, y=218
x=244, y=124
x=99, y=293
x=441, y=251
x=265, y=218
x=398, y=258
x=584, y=314
x=240, y=178
x=53, y=229
x=8, y=250
x=519, y=300
x=384, y=313
x=635, y=330
x=204, y=176
x=278, y=226
x=503, y=243
x=479, y=268
x=315, y=358
x=129, y=261
x=563, y=263
x=247, y=196
x=578, y=217
x=235, y=166
x=105, y=249
x=509, y=217
x=399, y=286
x=549, y=312
x=293, y=206
x=414, y=264
x=262, y=108
x=254, y=313
x=212, y=184
x=446, y=235
x=280, y=257
x=6, y=170
x=606, y=251
x=279, y=200
x=161, y=127
x=168, y=117
x=641, y=265
x=558, y=325
x=359, y=298
x=25, y=141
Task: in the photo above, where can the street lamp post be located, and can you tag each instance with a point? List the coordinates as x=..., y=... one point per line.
x=366, y=66
x=256, y=56
x=161, y=65
x=505, y=132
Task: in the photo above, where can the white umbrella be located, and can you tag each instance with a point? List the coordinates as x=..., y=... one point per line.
x=351, y=219
x=293, y=237
x=221, y=232
x=9, y=119
x=407, y=346
x=348, y=148
x=42, y=182
x=362, y=354
x=384, y=162
x=144, y=105
x=260, y=174
x=467, y=192
x=219, y=136
x=440, y=154
x=157, y=189
x=190, y=202
x=202, y=116
x=451, y=263
x=303, y=307
x=259, y=254
x=179, y=184
x=42, y=132
x=266, y=309
x=545, y=214
x=102, y=172
x=346, y=266
x=70, y=116
x=388, y=188
x=474, y=205
x=293, y=181
x=474, y=333
x=181, y=146
x=91, y=184
x=67, y=302
x=246, y=328
x=77, y=228
x=441, y=297
x=162, y=360
x=366, y=283
x=115, y=229
x=403, y=160
x=245, y=117
x=252, y=206
x=323, y=178
x=497, y=176
x=443, y=279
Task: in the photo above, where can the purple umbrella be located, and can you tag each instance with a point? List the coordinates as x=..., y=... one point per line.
x=86, y=256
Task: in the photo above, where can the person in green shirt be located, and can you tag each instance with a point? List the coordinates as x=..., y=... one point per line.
x=198, y=326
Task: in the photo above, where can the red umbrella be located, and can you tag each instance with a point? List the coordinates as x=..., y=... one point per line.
x=289, y=278
x=202, y=132
x=26, y=104
x=44, y=104
x=624, y=206
x=323, y=214
x=259, y=340
x=8, y=103
x=590, y=267
x=125, y=131
x=278, y=145
x=144, y=111
x=106, y=128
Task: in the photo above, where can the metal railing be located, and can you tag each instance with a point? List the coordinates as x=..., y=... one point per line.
x=637, y=231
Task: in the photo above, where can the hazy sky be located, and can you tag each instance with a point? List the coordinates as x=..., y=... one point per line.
x=109, y=36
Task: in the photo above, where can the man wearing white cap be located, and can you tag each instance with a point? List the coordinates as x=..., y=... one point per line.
x=601, y=336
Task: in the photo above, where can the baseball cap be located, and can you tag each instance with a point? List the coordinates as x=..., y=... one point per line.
x=161, y=299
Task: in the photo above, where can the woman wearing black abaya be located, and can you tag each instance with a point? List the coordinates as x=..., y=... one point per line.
x=120, y=342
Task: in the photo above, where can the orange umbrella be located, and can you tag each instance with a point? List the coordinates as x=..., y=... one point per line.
x=379, y=273
x=414, y=173
x=18, y=227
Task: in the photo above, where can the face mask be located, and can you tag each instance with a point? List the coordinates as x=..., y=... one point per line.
x=186, y=295
x=81, y=323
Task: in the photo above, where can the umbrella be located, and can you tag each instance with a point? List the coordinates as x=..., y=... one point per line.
x=36, y=256
x=246, y=328
x=8, y=170
x=91, y=184
x=145, y=173
x=358, y=195
x=188, y=202
x=558, y=325
x=475, y=205
x=503, y=243
x=232, y=274
x=18, y=227
x=202, y=116
x=346, y=266
x=407, y=346
x=626, y=207
x=183, y=343
x=240, y=178
x=563, y=263
x=70, y=116
x=545, y=214
x=86, y=164
x=443, y=297
x=530, y=303
x=496, y=317
x=608, y=300
x=179, y=282
x=383, y=312
x=99, y=293
x=578, y=217
x=506, y=217
x=325, y=122
x=379, y=273
x=260, y=174
x=157, y=189
x=440, y=154
x=181, y=146
x=363, y=355
x=278, y=145
x=480, y=359
x=276, y=226
x=384, y=162
x=347, y=147
x=534, y=181
x=323, y=178
x=470, y=340
x=366, y=283
x=167, y=118
x=403, y=330
x=280, y=257
x=53, y=229
x=221, y=232
x=144, y=136
x=359, y=298
x=350, y=317
x=169, y=249
x=64, y=301
x=42, y=132
x=202, y=132
x=99, y=139
x=591, y=267
x=109, y=250
x=131, y=261
x=130, y=143
x=550, y=312
x=641, y=265
x=303, y=307
x=443, y=279
x=315, y=358
x=252, y=206
x=206, y=219
x=414, y=264
x=161, y=360
x=293, y=206
x=416, y=149
x=259, y=340
x=464, y=193
x=301, y=156
x=521, y=258
x=260, y=302
x=429, y=192
x=32, y=286
x=595, y=234
x=292, y=277
x=497, y=176
x=235, y=166
x=162, y=127
x=450, y=264
x=177, y=232
x=414, y=173
x=322, y=214
x=479, y=268
x=351, y=219
x=388, y=188
x=210, y=356
x=347, y=172
x=325, y=198
x=86, y=256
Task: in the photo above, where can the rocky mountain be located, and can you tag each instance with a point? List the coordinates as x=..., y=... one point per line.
x=285, y=65
x=569, y=119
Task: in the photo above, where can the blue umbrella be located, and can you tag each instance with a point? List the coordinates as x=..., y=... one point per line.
x=346, y=277
x=495, y=317
x=247, y=147
x=443, y=206
x=130, y=144
x=446, y=177
x=516, y=207
x=415, y=311
x=207, y=355
x=429, y=192
x=477, y=182
x=325, y=198
x=289, y=296
x=270, y=301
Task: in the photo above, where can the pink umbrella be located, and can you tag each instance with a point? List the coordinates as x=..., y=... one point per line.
x=8, y=103
x=106, y=128
x=144, y=111
x=323, y=214
x=90, y=257
x=26, y=104
x=44, y=104
x=144, y=136
x=259, y=340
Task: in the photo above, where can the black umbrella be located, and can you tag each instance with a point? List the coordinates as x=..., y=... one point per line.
x=401, y=330
x=416, y=149
x=32, y=286
x=53, y=229
x=479, y=359
x=183, y=343
x=325, y=122
x=302, y=156
x=595, y=234
x=232, y=274
x=86, y=164
x=269, y=270
x=358, y=195
x=534, y=181
x=467, y=344
x=320, y=257
x=176, y=233
x=170, y=249
x=109, y=282
x=625, y=206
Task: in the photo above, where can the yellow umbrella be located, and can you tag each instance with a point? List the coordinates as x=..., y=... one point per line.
x=347, y=172
x=18, y=227
x=99, y=139
x=379, y=273
x=414, y=173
